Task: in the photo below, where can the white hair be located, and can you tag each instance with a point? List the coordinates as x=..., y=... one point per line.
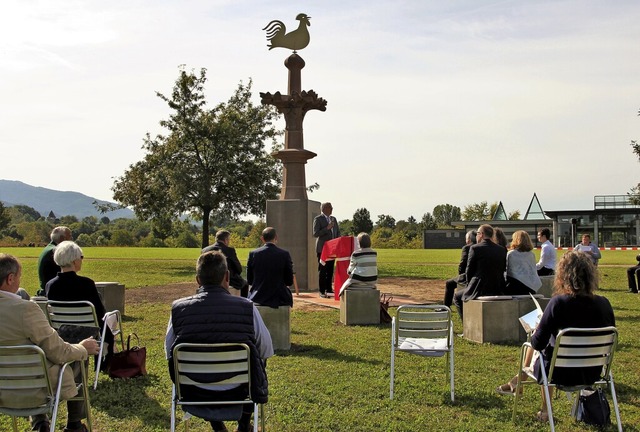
x=66, y=253
x=59, y=234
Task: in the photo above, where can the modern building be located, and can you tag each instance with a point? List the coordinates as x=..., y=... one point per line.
x=613, y=222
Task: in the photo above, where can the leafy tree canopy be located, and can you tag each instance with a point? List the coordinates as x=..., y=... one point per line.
x=5, y=219
x=481, y=211
x=210, y=162
x=386, y=221
x=444, y=214
x=362, y=221
x=427, y=222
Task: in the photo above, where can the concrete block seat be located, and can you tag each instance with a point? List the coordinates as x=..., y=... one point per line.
x=112, y=294
x=547, y=285
x=360, y=306
x=496, y=319
x=278, y=322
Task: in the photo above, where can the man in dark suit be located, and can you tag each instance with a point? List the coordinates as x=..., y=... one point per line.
x=485, y=269
x=270, y=273
x=222, y=244
x=461, y=279
x=325, y=228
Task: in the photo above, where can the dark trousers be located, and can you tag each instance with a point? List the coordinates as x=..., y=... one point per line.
x=633, y=274
x=75, y=409
x=237, y=393
x=325, y=276
x=457, y=300
x=515, y=287
x=450, y=287
x=545, y=271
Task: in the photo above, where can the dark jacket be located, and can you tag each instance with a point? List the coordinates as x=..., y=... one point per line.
x=270, y=274
x=233, y=263
x=322, y=233
x=215, y=316
x=462, y=266
x=47, y=267
x=486, y=265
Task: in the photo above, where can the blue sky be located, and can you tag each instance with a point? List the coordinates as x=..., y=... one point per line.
x=429, y=102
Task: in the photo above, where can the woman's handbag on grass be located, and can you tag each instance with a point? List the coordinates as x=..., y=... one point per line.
x=593, y=408
x=129, y=363
x=384, y=308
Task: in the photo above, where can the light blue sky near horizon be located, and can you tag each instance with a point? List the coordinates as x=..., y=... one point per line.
x=429, y=102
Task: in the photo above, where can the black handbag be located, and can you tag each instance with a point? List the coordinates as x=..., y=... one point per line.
x=385, y=318
x=593, y=408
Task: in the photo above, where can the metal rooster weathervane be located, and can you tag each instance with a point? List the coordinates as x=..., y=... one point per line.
x=294, y=40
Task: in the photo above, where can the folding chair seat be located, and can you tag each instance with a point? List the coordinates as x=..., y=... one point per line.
x=23, y=369
x=425, y=330
x=209, y=366
x=83, y=313
x=575, y=348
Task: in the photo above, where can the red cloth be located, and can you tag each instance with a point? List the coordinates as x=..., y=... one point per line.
x=340, y=250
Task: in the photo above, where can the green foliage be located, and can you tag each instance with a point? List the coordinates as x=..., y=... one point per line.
x=428, y=222
x=84, y=240
x=386, y=221
x=444, y=214
x=5, y=219
x=211, y=162
x=346, y=227
x=122, y=237
x=481, y=211
x=362, y=221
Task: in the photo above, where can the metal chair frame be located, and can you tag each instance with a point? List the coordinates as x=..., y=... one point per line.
x=425, y=330
x=575, y=348
x=24, y=367
x=212, y=359
x=83, y=313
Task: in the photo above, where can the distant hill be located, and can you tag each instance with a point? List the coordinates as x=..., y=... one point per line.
x=44, y=200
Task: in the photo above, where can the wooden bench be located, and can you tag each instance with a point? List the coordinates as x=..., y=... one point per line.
x=497, y=321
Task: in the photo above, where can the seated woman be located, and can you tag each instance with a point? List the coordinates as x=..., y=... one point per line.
x=574, y=304
x=522, y=276
x=363, y=269
x=68, y=286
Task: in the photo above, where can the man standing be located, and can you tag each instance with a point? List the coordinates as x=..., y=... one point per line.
x=47, y=267
x=215, y=316
x=451, y=284
x=485, y=269
x=222, y=244
x=270, y=272
x=325, y=228
x=547, y=264
x=23, y=323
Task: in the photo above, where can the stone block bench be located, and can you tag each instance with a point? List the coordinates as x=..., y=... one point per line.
x=278, y=322
x=112, y=294
x=496, y=320
x=360, y=306
x=547, y=285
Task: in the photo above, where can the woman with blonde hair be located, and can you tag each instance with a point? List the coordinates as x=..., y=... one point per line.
x=522, y=276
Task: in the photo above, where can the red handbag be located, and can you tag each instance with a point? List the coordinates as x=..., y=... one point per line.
x=129, y=363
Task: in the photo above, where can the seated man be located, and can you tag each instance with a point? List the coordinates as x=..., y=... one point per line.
x=589, y=248
x=633, y=274
x=363, y=269
x=215, y=316
x=451, y=284
x=547, y=263
x=24, y=323
x=236, y=282
x=485, y=269
x=270, y=272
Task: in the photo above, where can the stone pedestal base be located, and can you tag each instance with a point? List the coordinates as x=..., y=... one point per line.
x=497, y=321
x=293, y=221
x=112, y=294
x=278, y=323
x=547, y=285
x=360, y=306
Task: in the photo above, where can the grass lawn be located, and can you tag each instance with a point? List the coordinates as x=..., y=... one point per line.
x=336, y=378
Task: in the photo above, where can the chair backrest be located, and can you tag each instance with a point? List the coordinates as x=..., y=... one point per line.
x=584, y=347
x=23, y=369
x=80, y=313
x=423, y=322
x=212, y=365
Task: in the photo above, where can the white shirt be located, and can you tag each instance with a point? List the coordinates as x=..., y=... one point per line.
x=547, y=256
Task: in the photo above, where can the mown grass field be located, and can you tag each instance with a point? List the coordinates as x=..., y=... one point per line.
x=336, y=378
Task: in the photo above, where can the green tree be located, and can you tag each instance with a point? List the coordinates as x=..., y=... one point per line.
x=120, y=237
x=362, y=221
x=210, y=162
x=634, y=194
x=22, y=213
x=386, y=221
x=427, y=222
x=444, y=214
x=346, y=227
x=514, y=215
x=481, y=211
x=5, y=219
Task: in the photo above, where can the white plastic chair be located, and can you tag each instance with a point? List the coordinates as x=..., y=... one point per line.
x=23, y=368
x=83, y=313
x=425, y=330
x=575, y=348
x=212, y=365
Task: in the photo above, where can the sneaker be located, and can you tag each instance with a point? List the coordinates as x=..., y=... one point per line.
x=329, y=293
x=322, y=295
x=42, y=426
x=82, y=428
